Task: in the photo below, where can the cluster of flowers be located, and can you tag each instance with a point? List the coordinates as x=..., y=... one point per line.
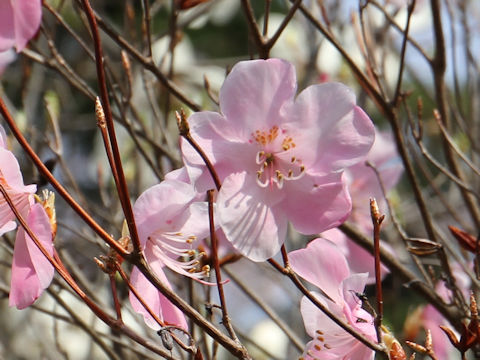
x=280, y=158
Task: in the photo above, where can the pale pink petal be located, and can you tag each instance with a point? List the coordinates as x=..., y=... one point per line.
x=10, y=171
x=8, y=226
x=31, y=271
x=254, y=94
x=24, y=285
x=340, y=133
x=197, y=221
x=27, y=17
x=159, y=206
x=7, y=28
x=160, y=306
x=178, y=175
x=253, y=227
x=222, y=147
x=322, y=264
x=39, y=223
x=314, y=319
x=316, y=203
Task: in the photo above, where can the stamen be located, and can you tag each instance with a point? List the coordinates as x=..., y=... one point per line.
x=260, y=157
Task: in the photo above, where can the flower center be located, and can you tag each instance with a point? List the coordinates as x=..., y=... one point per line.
x=276, y=158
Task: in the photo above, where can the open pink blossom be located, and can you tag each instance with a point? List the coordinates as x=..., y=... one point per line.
x=363, y=185
x=170, y=223
x=31, y=271
x=19, y=22
x=279, y=158
x=322, y=264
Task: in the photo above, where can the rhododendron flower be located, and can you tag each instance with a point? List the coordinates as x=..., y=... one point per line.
x=363, y=185
x=322, y=264
x=31, y=271
x=170, y=223
x=19, y=21
x=279, y=158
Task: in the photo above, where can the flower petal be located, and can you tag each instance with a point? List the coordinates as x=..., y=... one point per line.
x=7, y=29
x=10, y=171
x=39, y=223
x=317, y=203
x=322, y=264
x=340, y=133
x=159, y=206
x=254, y=94
x=249, y=222
x=27, y=16
x=31, y=271
x=158, y=303
x=222, y=146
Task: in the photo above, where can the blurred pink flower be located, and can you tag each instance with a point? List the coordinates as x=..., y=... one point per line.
x=19, y=22
x=322, y=264
x=363, y=185
x=431, y=318
x=280, y=158
x=31, y=271
x=170, y=223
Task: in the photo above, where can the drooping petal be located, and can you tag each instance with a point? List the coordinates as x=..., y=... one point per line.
x=254, y=94
x=250, y=223
x=161, y=306
x=340, y=133
x=27, y=17
x=322, y=264
x=39, y=223
x=159, y=206
x=31, y=271
x=317, y=203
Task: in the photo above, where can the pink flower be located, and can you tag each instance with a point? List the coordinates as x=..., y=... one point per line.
x=31, y=271
x=170, y=223
x=19, y=22
x=322, y=264
x=279, y=157
x=363, y=185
